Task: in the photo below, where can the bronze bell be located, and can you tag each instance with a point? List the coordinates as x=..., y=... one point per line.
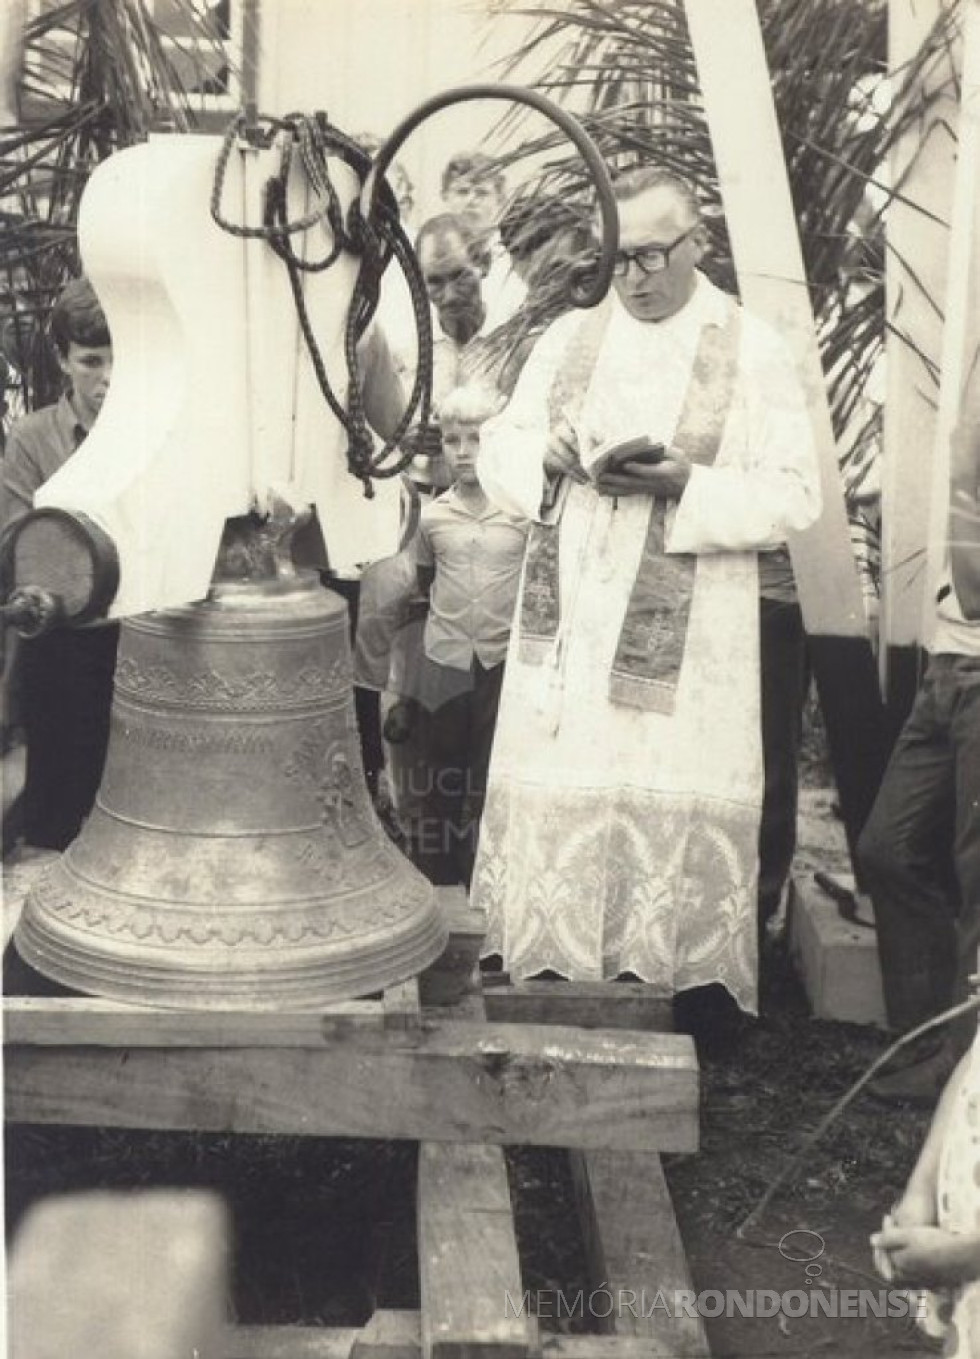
x=233, y=856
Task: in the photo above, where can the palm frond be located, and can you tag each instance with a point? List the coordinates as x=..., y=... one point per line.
x=97, y=75
x=627, y=68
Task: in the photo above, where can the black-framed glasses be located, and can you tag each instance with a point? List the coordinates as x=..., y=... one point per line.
x=650, y=259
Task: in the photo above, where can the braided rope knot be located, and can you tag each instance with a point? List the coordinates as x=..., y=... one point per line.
x=374, y=239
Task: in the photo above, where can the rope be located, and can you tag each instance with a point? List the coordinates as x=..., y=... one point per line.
x=373, y=232
x=375, y=240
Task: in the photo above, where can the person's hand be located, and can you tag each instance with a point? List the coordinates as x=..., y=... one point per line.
x=666, y=479
x=928, y=1257
x=562, y=457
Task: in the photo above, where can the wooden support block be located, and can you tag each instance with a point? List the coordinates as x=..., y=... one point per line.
x=401, y=1006
x=121, y=1276
x=388, y=1335
x=634, y=1250
x=445, y=980
x=836, y=958
x=452, y=1080
x=598, y=1347
x=292, y=1342
x=591, y=1005
x=468, y=1262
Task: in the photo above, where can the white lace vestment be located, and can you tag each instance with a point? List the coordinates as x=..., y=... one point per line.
x=615, y=839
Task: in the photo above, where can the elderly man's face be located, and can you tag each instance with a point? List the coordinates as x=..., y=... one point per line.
x=652, y=288
x=478, y=199
x=454, y=284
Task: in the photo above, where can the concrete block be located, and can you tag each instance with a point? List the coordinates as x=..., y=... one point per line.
x=836, y=958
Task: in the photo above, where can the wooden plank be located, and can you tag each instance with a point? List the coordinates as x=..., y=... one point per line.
x=591, y=1005
x=745, y=139
x=634, y=1249
x=295, y=1342
x=468, y=1262
x=401, y=1332
x=598, y=1347
x=67, y=1021
x=467, y=1249
x=120, y=1274
x=450, y=1081
x=388, y=1335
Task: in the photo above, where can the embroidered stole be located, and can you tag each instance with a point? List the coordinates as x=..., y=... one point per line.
x=650, y=649
x=540, y=606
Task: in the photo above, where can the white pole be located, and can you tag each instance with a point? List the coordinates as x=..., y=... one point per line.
x=961, y=330
x=735, y=83
x=922, y=165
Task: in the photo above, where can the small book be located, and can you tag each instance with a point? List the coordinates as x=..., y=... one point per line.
x=614, y=456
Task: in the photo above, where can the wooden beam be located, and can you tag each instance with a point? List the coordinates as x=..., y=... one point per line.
x=634, y=1250
x=590, y=1005
x=467, y=1249
x=468, y=1261
x=450, y=1081
x=397, y=1335
x=388, y=1335
x=745, y=139
x=44, y=1022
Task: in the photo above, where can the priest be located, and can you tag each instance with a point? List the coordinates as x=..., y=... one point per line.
x=659, y=441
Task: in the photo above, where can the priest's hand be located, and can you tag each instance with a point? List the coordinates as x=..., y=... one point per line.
x=665, y=479
x=562, y=455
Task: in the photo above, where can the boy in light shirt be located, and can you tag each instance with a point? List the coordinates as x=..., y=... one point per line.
x=469, y=559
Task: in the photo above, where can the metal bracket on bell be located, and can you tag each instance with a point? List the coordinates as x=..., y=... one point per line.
x=259, y=546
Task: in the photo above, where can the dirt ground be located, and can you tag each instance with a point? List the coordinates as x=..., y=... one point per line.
x=758, y=1103
x=299, y=1206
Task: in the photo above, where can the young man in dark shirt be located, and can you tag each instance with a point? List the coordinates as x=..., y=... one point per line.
x=64, y=678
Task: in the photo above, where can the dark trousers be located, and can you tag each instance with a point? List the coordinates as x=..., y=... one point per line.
x=65, y=680
x=456, y=739
x=785, y=679
x=920, y=849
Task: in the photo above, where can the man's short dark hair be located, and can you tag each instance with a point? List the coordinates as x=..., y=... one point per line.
x=472, y=163
x=448, y=224
x=77, y=315
x=638, y=179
